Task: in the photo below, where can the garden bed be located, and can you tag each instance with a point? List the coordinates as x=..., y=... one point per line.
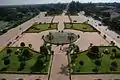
x=17, y=60
x=36, y=28
x=107, y=63
x=80, y=26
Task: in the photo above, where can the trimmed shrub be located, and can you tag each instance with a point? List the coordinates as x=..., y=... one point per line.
x=114, y=64
x=81, y=62
x=94, y=49
x=9, y=51
x=6, y=61
x=95, y=70
x=117, y=55
x=98, y=62
x=112, y=68
x=22, y=65
x=4, y=69
x=114, y=50
x=22, y=44
x=106, y=51
x=77, y=70
x=16, y=52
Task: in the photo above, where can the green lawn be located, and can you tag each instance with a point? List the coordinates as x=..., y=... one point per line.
x=30, y=64
x=41, y=27
x=80, y=26
x=89, y=64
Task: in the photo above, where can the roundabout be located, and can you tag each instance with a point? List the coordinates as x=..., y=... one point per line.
x=60, y=38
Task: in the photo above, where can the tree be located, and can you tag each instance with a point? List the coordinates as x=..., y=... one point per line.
x=76, y=48
x=106, y=51
x=38, y=66
x=106, y=14
x=50, y=36
x=114, y=51
x=112, y=68
x=22, y=65
x=22, y=44
x=26, y=54
x=70, y=37
x=81, y=62
x=104, y=36
x=44, y=51
x=94, y=49
x=9, y=51
x=114, y=64
x=93, y=52
x=112, y=43
x=6, y=61
x=95, y=69
x=16, y=52
x=30, y=45
x=98, y=62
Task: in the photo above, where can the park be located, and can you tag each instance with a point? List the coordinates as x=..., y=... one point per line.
x=59, y=45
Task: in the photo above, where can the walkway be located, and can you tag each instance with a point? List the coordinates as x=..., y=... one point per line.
x=59, y=67
x=59, y=70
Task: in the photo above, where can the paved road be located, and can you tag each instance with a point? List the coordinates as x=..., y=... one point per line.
x=11, y=34
x=111, y=35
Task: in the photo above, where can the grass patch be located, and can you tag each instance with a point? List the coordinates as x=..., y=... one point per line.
x=80, y=26
x=41, y=27
x=84, y=64
x=31, y=65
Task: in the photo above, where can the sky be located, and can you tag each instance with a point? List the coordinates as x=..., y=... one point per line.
x=19, y=2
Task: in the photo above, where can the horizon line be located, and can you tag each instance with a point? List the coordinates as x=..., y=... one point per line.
x=54, y=3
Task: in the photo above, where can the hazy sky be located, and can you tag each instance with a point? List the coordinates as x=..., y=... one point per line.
x=18, y=2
